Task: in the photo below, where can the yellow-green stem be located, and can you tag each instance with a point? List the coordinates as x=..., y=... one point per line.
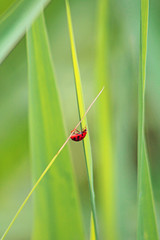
x=46, y=170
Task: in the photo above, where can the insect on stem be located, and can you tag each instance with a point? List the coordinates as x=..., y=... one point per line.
x=46, y=170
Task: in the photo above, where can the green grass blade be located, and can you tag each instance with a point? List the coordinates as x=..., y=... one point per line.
x=147, y=227
x=81, y=108
x=46, y=170
x=15, y=21
x=55, y=203
x=106, y=166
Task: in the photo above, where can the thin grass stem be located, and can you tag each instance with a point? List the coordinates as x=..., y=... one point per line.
x=81, y=110
x=47, y=168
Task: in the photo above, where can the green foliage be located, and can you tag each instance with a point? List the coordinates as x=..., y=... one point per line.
x=55, y=202
x=13, y=23
x=147, y=227
x=112, y=122
x=106, y=163
x=81, y=109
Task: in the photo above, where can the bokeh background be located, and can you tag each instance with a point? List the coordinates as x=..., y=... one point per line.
x=123, y=58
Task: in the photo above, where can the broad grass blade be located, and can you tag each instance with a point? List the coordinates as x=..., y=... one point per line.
x=56, y=209
x=81, y=109
x=147, y=227
x=15, y=21
x=106, y=165
x=47, y=169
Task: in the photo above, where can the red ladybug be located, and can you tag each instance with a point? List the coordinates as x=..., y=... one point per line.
x=78, y=136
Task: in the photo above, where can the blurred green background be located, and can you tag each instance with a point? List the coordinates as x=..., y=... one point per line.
x=123, y=54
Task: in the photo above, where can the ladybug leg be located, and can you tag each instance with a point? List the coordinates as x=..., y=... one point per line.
x=75, y=130
x=84, y=128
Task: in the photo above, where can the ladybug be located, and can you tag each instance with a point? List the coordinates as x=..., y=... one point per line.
x=77, y=135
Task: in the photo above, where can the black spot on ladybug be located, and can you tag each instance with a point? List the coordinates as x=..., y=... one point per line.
x=79, y=136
